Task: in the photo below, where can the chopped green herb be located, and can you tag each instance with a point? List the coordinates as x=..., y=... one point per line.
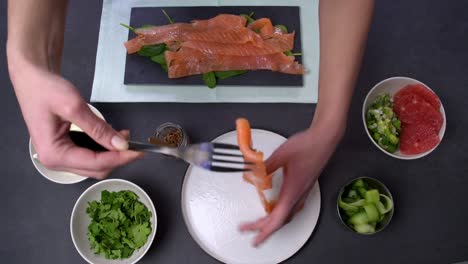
x=128, y=27
x=283, y=28
x=120, y=224
x=210, y=79
x=383, y=124
x=168, y=17
x=228, y=74
x=152, y=50
x=297, y=54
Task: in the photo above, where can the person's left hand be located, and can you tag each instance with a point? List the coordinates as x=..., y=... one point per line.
x=302, y=158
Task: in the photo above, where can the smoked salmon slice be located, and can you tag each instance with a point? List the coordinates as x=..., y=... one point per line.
x=186, y=32
x=186, y=62
x=222, y=43
x=258, y=177
x=270, y=46
x=222, y=20
x=263, y=26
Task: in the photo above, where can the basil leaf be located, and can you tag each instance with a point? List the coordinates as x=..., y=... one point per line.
x=152, y=50
x=210, y=79
x=228, y=74
x=161, y=60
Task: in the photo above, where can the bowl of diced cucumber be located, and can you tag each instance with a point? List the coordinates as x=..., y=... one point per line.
x=365, y=205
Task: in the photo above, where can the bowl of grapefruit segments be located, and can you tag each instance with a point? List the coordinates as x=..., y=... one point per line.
x=404, y=118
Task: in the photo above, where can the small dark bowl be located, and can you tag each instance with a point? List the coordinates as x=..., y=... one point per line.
x=375, y=184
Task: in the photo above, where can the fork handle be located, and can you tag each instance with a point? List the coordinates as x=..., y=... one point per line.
x=82, y=139
x=138, y=146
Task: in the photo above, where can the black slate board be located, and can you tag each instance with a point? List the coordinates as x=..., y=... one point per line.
x=140, y=70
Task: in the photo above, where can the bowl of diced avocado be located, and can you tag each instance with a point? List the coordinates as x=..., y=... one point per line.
x=365, y=206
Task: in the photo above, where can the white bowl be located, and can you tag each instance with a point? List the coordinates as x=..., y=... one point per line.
x=392, y=86
x=61, y=177
x=80, y=220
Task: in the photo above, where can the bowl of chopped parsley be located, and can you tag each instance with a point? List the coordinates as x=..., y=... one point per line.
x=113, y=220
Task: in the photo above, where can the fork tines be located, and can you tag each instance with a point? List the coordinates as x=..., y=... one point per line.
x=228, y=158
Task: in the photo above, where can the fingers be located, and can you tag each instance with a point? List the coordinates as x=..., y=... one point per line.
x=125, y=134
x=266, y=230
x=80, y=158
x=95, y=127
x=87, y=163
x=254, y=225
x=266, y=226
x=291, y=200
x=68, y=157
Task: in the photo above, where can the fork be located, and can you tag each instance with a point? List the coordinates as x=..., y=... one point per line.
x=217, y=157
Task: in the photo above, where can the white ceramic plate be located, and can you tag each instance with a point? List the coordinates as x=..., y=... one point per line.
x=392, y=86
x=215, y=204
x=80, y=220
x=61, y=177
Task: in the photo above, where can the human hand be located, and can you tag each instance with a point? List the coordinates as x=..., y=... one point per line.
x=302, y=158
x=50, y=104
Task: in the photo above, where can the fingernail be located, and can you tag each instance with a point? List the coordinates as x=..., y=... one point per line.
x=119, y=143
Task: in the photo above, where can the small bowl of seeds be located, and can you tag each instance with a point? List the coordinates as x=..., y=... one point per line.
x=169, y=135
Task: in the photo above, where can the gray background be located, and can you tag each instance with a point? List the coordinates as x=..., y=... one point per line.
x=427, y=40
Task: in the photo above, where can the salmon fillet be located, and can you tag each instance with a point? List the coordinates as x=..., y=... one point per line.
x=258, y=176
x=269, y=46
x=186, y=32
x=222, y=43
x=263, y=26
x=189, y=61
x=222, y=20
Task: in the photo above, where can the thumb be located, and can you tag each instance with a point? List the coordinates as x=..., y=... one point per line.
x=98, y=129
x=276, y=160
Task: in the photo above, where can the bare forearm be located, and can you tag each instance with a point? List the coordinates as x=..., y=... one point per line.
x=344, y=26
x=35, y=33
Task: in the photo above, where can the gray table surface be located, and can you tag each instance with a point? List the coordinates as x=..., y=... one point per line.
x=427, y=40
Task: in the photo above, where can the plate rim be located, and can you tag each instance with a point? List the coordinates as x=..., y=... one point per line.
x=216, y=256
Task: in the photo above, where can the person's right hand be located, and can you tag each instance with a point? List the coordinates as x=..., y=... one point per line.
x=50, y=104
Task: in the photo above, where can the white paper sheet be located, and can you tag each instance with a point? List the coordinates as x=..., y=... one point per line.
x=108, y=85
